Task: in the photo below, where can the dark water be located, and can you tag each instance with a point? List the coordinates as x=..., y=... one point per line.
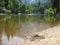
x=16, y=26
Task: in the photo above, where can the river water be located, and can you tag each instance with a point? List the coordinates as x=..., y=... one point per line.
x=14, y=28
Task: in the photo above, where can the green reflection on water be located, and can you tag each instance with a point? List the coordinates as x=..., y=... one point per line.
x=12, y=23
x=30, y=18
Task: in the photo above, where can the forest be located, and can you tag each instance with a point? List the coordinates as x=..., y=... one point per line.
x=17, y=6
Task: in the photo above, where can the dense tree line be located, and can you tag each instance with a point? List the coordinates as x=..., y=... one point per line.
x=16, y=6
x=9, y=5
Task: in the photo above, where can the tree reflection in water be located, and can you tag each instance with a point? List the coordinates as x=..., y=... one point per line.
x=12, y=23
x=12, y=26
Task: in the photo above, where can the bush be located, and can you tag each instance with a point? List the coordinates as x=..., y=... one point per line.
x=50, y=18
x=4, y=10
x=50, y=11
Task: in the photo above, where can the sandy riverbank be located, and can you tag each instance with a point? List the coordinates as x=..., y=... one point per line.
x=51, y=37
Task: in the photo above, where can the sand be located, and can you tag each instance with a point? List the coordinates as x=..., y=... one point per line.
x=51, y=37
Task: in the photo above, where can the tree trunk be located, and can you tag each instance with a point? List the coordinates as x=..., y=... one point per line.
x=56, y=5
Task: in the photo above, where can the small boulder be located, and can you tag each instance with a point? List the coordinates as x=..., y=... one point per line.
x=36, y=36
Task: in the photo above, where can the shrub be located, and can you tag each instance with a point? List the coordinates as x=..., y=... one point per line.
x=4, y=10
x=50, y=18
x=50, y=11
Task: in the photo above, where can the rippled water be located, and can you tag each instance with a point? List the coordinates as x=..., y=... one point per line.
x=13, y=28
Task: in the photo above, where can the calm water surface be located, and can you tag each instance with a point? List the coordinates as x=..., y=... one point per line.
x=13, y=28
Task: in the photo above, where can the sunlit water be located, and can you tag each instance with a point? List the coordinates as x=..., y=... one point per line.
x=12, y=40
x=15, y=28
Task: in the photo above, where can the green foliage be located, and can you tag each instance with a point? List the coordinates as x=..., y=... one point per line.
x=29, y=8
x=35, y=8
x=59, y=5
x=4, y=10
x=41, y=9
x=2, y=3
x=55, y=4
x=48, y=4
x=50, y=18
x=50, y=11
x=14, y=6
x=23, y=8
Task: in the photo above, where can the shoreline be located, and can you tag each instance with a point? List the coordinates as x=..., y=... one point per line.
x=52, y=36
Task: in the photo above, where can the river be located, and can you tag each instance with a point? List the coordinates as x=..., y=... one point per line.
x=14, y=28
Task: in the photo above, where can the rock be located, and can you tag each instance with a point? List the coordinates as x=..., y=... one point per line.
x=36, y=36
